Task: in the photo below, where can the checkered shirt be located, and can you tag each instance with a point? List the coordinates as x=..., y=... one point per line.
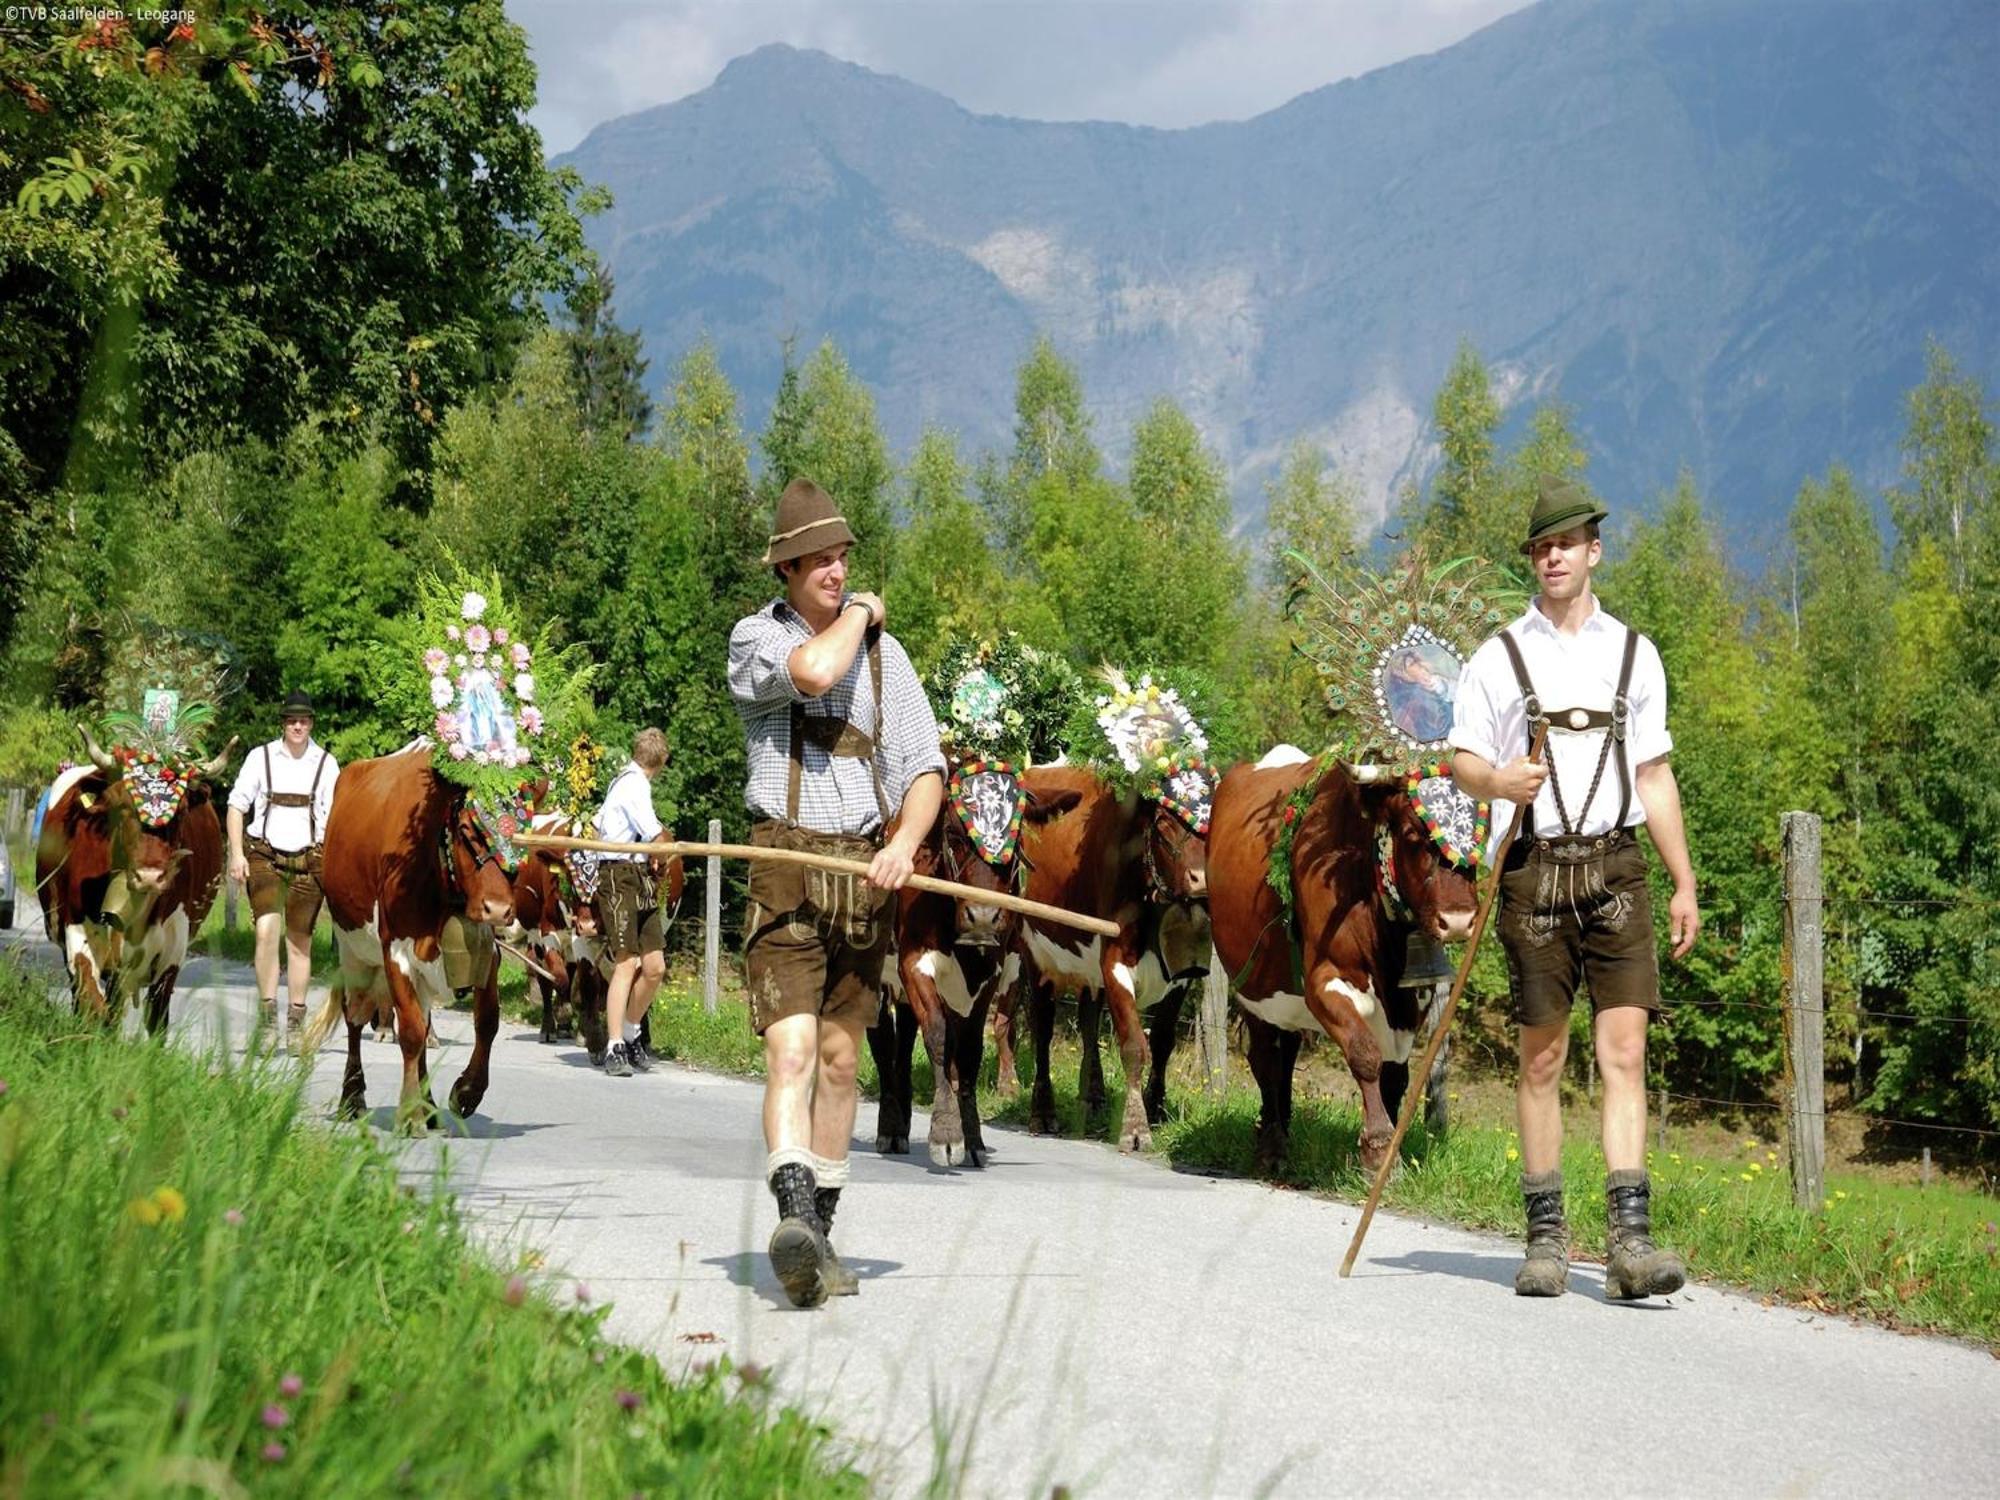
x=836, y=793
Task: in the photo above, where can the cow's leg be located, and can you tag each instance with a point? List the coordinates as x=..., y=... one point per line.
x=159, y=998
x=890, y=1040
x=1273, y=1072
x=85, y=987
x=472, y=1083
x=1041, y=1030
x=969, y=1049
x=947, y=1137
x=1008, y=1081
x=564, y=987
x=1090, y=1062
x=590, y=1021
x=1338, y=1007
x=416, y=1112
x=548, y=993
x=1160, y=1036
x=1120, y=960
x=353, y=1082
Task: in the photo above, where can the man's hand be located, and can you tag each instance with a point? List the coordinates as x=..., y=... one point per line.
x=878, y=613
x=239, y=868
x=890, y=868
x=1520, y=780
x=1683, y=920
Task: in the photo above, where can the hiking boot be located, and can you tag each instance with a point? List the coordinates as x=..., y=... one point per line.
x=798, y=1249
x=840, y=1282
x=617, y=1062
x=1545, y=1272
x=1635, y=1267
x=642, y=1059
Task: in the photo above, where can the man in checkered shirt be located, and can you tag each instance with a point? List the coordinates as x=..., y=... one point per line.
x=843, y=746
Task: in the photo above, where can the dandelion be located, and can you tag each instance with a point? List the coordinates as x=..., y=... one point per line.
x=290, y=1386
x=275, y=1416
x=1827, y=1204
x=629, y=1400
x=1750, y=1143
x=1512, y=1154
x=1840, y=1192
x=274, y=1453
x=172, y=1206
x=1703, y=1210
x=515, y=1292
x=1745, y=1176
x=1756, y=1166
x=143, y=1211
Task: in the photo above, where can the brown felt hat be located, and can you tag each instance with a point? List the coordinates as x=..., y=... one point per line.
x=807, y=522
x=1559, y=505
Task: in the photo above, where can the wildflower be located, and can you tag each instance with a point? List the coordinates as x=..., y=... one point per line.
x=582, y=1292
x=1827, y=1204
x=172, y=1206
x=451, y=632
x=290, y=1386
x=118, y=1111
x=1674, y=1157
x=144, y=1211
x=1746, y=1177
x=524, y=687
x=232, y=1217
x=274, y=1453
x=275, y=1416
x=500, y=636
x=1703, y=1210
x=478, y=638
x=753, y=1374
x=1750, y=1143
x=1512, y=1154
x=1756, y=1166
x=629, y=1400
x=1453, y=1096
x=1840, y=1192
x=515, y=1292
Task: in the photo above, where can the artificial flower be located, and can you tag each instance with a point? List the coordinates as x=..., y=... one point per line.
x=451, y=632
x=458, y=750
x=436, y=660
x=473, y=607
x=531, y=719
x=524, y=688
x=521, y=655
x=500, y=635
x=478, y=638
x=441, y=692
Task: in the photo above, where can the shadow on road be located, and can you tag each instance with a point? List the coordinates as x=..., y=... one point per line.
x=1498, y=1269
x=382, y=1118
x=752, y=1269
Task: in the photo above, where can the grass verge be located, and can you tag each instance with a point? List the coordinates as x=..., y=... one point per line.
x=205, y=1296
x=1916, y=1259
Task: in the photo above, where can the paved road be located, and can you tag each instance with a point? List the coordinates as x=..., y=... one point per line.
x=1072, y=1316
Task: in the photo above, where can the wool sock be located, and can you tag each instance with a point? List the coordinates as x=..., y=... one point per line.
x=1541, y=1182
x=828, y=1172
x=630, y=1033
x=787, y=1155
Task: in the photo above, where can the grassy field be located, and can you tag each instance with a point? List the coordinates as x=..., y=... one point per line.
x=1920, y=1259
x=205, y=1297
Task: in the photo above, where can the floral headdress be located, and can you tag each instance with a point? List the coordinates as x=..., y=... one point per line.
x=1142, y=737
x=1002, y=704
x=166, y=687
x=461, y=671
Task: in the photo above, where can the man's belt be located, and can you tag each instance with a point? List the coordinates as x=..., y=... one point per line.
x=289, y=799
x=1570, y=849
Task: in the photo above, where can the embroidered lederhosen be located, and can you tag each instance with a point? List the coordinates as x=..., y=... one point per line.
x=294, y=873
x=814, y=939
x=1575, y=906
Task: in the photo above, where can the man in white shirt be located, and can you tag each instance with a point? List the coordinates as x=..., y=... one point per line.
x=627, y=897
x=1573, y=898
x=277, y=819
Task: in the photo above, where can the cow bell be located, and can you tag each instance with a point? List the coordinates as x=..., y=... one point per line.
x=1424, y=962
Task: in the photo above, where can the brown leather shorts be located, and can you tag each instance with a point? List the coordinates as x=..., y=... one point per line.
x=283, y=882
x=814, y=940
x=1569, y=912
x=630, y=905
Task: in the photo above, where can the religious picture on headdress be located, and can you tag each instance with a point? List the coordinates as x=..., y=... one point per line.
x=1419, y=677
x=159, y=708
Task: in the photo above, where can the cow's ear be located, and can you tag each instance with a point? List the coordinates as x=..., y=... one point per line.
x=1042, y=809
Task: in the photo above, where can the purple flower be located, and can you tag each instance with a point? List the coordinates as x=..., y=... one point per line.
x=275, y=1416
x=436, y=660
x=582, y=1292
x=458, y=750
x=629, y=1400
x=531, y=719
x=521, y=656
x=290, y=1386
x=478, y=638
x=516, y=1291
x=274, y=1453
x=232, y=1216
x=500, y=636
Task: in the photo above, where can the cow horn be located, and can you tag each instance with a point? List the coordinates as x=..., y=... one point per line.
x=212, y=769
x=102, y=761
x=1365, y=775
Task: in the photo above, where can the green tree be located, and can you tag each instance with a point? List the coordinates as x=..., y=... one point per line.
x=823, y=426
x=1052, y=436
x=1948, y=470
x=950, y=581
x=605, y=363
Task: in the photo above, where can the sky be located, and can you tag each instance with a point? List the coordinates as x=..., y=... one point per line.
x=1168, y=63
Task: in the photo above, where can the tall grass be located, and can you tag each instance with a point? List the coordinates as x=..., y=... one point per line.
x=203, y=1295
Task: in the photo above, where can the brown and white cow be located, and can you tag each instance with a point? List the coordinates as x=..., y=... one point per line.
x=1335, y=970
x=128, y=864
x=405, y=855
x=1135, y=862
x=951, y=960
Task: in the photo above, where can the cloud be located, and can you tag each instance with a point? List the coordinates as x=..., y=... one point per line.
x=1169, y=63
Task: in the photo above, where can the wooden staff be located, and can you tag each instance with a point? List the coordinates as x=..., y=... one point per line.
x=1003, y=899
x=1443, y=1027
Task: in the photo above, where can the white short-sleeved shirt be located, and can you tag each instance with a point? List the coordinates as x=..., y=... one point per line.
x=1579, y=671
x=627, y=816
x=286, y=829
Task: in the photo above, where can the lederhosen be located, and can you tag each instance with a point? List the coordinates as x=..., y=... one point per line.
x=298, y=869
x=628, y=901
x=814, y=939
x=1574, y=905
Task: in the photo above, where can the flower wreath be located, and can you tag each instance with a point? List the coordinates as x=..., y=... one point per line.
x=1457, y=824
x=490, y=702
x=1140, y=737
x=154, y=753
x=158, y=785
x=1002, y=699
x=975, y=788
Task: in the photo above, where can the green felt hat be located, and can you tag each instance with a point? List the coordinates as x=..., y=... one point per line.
x=1559, y=505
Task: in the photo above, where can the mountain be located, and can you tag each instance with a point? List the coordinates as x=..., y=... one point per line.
x=1720, y=230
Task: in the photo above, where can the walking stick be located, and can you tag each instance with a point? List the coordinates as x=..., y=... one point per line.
x=667, y=850
x=1443, y=1027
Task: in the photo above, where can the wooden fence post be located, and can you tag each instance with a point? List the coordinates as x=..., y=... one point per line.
x=1805, y=1007
x=711, y=926
x=1213, y=1025
x=16, y=811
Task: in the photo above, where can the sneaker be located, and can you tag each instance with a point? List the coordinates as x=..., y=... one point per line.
x=618, y=1062
x=641, y=1056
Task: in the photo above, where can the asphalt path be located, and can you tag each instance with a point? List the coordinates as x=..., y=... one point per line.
x=1070, y=1316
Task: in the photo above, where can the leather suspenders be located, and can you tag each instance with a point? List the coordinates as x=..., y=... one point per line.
x=838, y=737
x=1616, y=723
x=308, y=800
